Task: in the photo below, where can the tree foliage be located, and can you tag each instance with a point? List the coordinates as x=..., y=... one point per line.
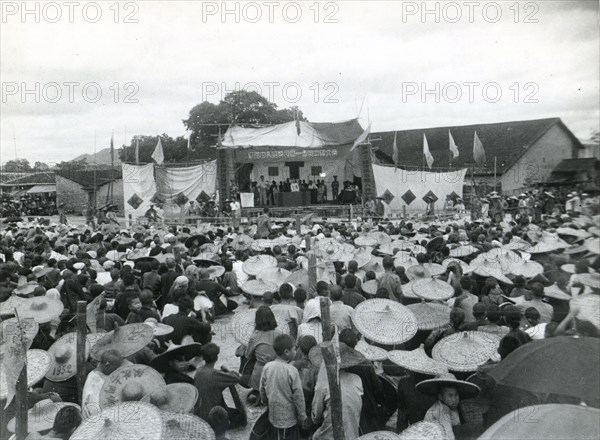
x=239, y=107
x=17, y=166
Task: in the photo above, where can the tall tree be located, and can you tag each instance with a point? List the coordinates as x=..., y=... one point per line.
x=16, y=166
x=239, y=107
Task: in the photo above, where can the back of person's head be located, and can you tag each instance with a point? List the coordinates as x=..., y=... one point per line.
x=210, y=352
x=39, y=291
x=370, y=275
x=494, y=314
x=115, y=274
x=422, y=258
x=228, y=265
x=185, y=304
x=388, y=262
x=67, y=419
x=96, y=290
x=277, y=250
x=537, y=289
x=335, y=292
x=264, y=319
x=519, y=281
x=218, y=419
x=350, y=281
x=479, y=310
x=283, y=343
x=170, y=261
x=581, y=267
x=349, y=337
x=268, y=298
x=146, y=297
x=179, y=293
x=128, y=279
x=300, y=295
x=286, y=291
x=322, y=288
x=512, y=316
x=508, y=344
x=352, y=266
x=532, y=315
x=306, y=342
x=457, y=317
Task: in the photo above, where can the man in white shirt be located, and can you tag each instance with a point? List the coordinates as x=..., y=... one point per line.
x=236, y=213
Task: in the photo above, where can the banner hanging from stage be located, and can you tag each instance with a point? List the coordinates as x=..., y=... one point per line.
x=400, y=187
x=169, y=188
x=139, y=189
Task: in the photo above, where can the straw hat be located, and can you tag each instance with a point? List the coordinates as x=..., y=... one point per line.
x=41, y=416
x=261, y=244
x=432, y=289
x=528, y=269
x=365, y=240
x=371, y=352
x=384, y=321
x=242, y=324
x=556, y=292
x=380, y=237
x=424, y=431
x=38, y=363
x=158, y=328
x=462, y=251
x=186, y=427
x=207, y=258
x=64, y=357
x=128, y=420
x=431, y=387
x=375, y=265
x=258, y=287
x=404, y=259
x=349, y=357
x=491, y=269
x=416, y=272
x=362, y=258
x=417, y=360
x=593, y=245
x=571, y=232
x=379, y=435
x=275, y=275
x=589, y=308
x=464, y=266
x=590, y=279
x=126, y=339
x=369, y=287
x=465, y=351
x=215, y=272
x=8, y=307
x=430, y=316
x=569, y=268
x=24, y=288
x=41, y=308
x=10, y=328
x=129, y=383
x=576, y=249
x=254, y=265
x=210, y=248
x=325, y=272
x=175, y=397
x=241, y=242
x=189, y=351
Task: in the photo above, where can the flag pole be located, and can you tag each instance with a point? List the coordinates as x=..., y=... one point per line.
x=21, y=391
x=495, y=182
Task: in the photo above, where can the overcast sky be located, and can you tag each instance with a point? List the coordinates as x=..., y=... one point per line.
x=367, y=59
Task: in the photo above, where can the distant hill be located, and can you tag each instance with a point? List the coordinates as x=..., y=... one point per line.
x=101, y=157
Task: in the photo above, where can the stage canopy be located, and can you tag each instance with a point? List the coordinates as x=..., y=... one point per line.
x=38, y=189
x=297, y=134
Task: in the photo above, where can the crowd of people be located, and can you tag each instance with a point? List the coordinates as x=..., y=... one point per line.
x=399, y=295
x=28, y=205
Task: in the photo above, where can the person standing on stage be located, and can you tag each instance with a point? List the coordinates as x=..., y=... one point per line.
x=236, y=212
x=262, y=191
x=335, y=189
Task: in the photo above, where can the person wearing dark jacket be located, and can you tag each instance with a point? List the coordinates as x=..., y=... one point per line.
x=216, y=293
x=183, y=325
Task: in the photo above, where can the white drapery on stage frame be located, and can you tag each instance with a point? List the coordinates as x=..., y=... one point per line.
x=394, y=183
x=146, y=184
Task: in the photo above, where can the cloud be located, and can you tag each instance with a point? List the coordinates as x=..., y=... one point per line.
x=174, y=53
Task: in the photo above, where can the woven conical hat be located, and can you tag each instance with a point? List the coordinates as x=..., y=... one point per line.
x=465, y=351
x=384, y=321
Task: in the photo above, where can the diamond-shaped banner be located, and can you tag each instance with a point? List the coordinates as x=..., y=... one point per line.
x=181, y=199
x=156, y=199
x=430, y=195
x=408, y=197
x=388, y=196
x=135, y=201
x=202, y=197
x=454, y=196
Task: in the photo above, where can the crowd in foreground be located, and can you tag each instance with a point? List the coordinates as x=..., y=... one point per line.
x=428, y=309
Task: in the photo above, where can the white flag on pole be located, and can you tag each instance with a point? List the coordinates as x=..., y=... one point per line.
x=426, y=152
x=158, y=155
x=453, y=146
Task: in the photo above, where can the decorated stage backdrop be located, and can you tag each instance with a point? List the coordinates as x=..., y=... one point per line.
x=407, y=188
x=169, y=188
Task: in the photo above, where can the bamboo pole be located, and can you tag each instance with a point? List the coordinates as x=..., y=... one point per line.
x=21, y=405
x=298, y=224
x=335, y=392
x=81, y=341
